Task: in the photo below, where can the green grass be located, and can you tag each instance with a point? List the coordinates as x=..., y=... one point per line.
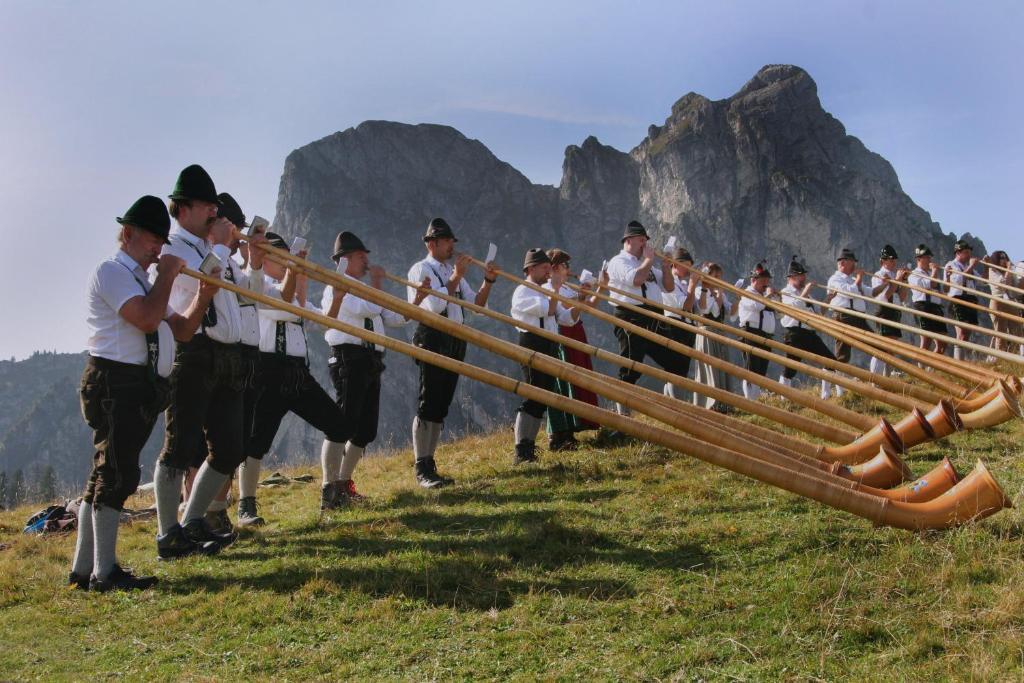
x=631, y=562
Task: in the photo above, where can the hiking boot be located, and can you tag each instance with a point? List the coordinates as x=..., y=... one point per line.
x=348, y=491
x=526, y=452
x=562, y=441
x=219, y=522
x=200, y=532
x=176, y=543
x=247, y=512
x=122, y=580
x=78, y=581
x=427, y=476
x=330, y=498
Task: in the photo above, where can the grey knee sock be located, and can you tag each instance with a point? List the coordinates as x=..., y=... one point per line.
x=104, y=522
x=421, y=437
x=435, y=436
x=82, y=564
x=331, y=454
x=248, y=477
x=527, y=427
x=167, y=490
x=353, y=454
x=205, y=488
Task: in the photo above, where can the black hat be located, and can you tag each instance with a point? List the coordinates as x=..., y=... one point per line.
x=634, y=229
x=535, y=257
x=796, y=268
x=680, y=254
x=148, y=213
x=759, y=271
x=922, y=250
x=961, y=245
x=439, y=229
x=195, y=183
x=345, y=243
x=275, y=240
x=888, y=252
x=230, y=209
x=846, y=254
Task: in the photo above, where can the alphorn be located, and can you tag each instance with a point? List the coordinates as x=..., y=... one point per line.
x=946, y=297
x=931, y=316
x=1012, y=358
x=985, y=281
x=976, y=496
x=1011, y=271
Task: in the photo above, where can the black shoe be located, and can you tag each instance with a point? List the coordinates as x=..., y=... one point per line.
x=563, y=442
x=123, y=580
x=219, y=522
x=330, y=498
x=526, y=452
x=247, y=512
x=78, y=581
x=176, y=543
x=200, y=532
x=427, y=476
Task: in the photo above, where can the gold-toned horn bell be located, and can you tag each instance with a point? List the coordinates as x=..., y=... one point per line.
x=882, y=435
x=1004, y=406
x=882, y=471
x=932, y=485
x=976, y=496
x=969, y=405
x=918, y=427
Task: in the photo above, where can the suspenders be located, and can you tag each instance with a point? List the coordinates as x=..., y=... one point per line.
x=152, y=338
x=210, y=316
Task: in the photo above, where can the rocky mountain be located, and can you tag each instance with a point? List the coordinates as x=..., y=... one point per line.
x=761, y=175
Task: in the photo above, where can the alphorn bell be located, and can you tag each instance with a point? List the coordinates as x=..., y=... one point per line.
x=977, y=495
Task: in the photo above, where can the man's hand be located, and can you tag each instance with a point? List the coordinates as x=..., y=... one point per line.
x=648, y=252
x=208, y=289
x=934, y=267
x=806, y=289
x=377, y=274
x=222, y=231
x=169, y=265
x=973, y=262
x=556, y=281
x=739, y=283
x=256, y=254
x=422, y=291
x=490, y=271
x=462, y=262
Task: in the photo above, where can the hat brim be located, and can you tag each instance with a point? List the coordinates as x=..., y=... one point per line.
x=339, y=254
x=147, y=228
x=215, y=200
x=427, y=238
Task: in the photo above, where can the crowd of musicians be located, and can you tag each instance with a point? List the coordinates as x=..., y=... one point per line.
x=225, y=368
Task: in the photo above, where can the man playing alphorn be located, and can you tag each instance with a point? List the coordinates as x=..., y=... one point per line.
x=437, y=385
x=534, y=308
x=798, y=334
x=884, y=287
x=757, y=318
x=923, y=277
x=963, y=288
x=124, y=387
x=683, y=295
x=844, y=282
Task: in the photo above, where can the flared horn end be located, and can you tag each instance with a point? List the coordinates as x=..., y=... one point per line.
x=975, y=497
x=944, y=419
x=1015, y=384
x=882, y=471
x=947, y=466
x=1001, y=408
x=998, y=498
x=867, y=444
x=915, y=428
x=940, y=479
x=968, y=405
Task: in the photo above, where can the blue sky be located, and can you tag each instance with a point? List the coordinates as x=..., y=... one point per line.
x=105, y=101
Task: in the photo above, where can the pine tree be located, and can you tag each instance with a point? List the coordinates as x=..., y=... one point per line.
x=3, y=489
x=19, y=492
x=46, y=490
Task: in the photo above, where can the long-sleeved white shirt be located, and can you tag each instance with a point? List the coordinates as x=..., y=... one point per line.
x=251, y=279
x=531, y=307
x=677, y=297
x=281, y=331
x=958, y=284
x=711, y=307
x=841, y=282
x=358, y=313
x=877, y=281
x=754, y=314
x=788, y=293
x=920, y=278
x=622, y=270
x=439, y=274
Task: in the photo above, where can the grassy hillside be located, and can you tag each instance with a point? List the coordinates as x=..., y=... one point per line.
x=630, y=562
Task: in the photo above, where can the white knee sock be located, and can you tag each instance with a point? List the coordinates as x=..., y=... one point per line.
x=331, y=454
x=205, y=488
x=785, y=381
x=104, y=523
x=353, y=454
x=621, y=409
x=527, y=427
x=958, y=353
x=878, y=367
x=826, y=389
x=751, y=391
x=167, y=490
x=669, y=390
x=248, y=477
x=83, y=561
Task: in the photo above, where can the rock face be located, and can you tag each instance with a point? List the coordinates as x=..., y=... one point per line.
x=764, y=174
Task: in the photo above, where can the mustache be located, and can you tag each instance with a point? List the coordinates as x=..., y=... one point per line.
x=211, y=220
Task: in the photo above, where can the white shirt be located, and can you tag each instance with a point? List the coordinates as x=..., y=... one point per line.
x=290, y=334
x=115, y=282
x=622, y=269
x=788, y=293
x=250, y=279
x=754, y=314
x=531, y=307
x=877, y=281
x=677, y=297
x=957, y=282
x=997, y=278
x=356, y=312
x=711, y=307
x=439, y=274
x=193, y=250
x=920, y=278
x=841, y=282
